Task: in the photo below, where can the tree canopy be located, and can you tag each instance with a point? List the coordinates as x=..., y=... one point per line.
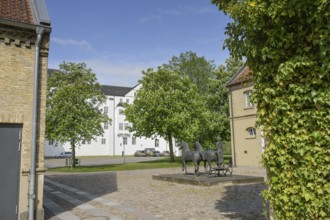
x=198, y=69
x=211, y=84
x=217, y=102
x=73, y=100
x=168, y=105
x=286, y=44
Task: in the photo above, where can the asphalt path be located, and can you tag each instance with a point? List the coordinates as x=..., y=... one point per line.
x=89, y=161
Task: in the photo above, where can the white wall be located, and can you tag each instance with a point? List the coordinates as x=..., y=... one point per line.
x=113, y=143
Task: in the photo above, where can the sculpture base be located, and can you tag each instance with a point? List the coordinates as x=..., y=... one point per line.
x=209, y=180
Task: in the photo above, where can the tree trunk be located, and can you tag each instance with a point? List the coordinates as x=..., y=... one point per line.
x=169, y=138
x=73, y=149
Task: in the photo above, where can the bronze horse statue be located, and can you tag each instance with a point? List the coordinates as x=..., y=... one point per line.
x=190, y=156
x=210, y=156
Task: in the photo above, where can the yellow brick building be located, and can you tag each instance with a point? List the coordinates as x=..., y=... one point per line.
x=246, y=140
x=24, y=45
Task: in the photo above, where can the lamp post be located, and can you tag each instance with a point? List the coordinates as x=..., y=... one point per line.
x=124, y=135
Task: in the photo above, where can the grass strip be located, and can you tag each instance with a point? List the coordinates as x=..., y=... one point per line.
x=155, y=164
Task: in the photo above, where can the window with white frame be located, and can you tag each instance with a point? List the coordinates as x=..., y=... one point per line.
x=121, y=126
x=103, y=141
x=251, y=132
x=156, y=142
x=247, y=96
x=106, y=109
x=127, y=100
x=106, y=126
x=126, y=126
x=133, y=140
x=89, y=142
x=125, y=140
x=121, y=111
x=51, y=142
x=83, y=142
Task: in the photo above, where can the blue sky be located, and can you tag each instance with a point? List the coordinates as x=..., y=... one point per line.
x=118, y=39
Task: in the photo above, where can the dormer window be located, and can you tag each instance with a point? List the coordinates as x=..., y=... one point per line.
x=247, y=96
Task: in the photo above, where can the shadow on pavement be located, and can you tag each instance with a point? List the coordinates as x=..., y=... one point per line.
x=94, y=184
x=243, y=202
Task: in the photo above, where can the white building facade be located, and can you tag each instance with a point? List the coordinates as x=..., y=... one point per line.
x=116, y=139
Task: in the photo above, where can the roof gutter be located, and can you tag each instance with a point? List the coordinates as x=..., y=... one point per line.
x=32, y=188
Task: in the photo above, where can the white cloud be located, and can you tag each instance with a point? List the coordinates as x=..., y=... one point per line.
x=202, y=10
x=161, y=13
x=111, y=73
x=120, y=74
x=169, y=12
x=70, y=42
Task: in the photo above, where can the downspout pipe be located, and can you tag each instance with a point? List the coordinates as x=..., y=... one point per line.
x=32, y=188
x=233, y=144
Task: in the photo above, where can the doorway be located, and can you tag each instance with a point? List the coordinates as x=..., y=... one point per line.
x=10, y=154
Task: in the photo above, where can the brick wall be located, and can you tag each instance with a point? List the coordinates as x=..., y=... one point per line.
x=17, y=59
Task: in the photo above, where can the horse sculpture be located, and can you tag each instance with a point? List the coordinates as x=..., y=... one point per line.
x=190, y=156
x=219, y=146
x=210, y=156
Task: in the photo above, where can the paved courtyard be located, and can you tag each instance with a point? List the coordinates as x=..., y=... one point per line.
x=135, y=195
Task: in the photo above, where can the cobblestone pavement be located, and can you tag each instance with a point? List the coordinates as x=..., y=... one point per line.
x=135, y=195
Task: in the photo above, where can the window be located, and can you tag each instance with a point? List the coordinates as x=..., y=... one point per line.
x=106, y=109
x=125, y=140
x=126, y=126
x=133, y=140
x=127, y=100
x=51, y=142
x=105, y=126
x=89, y=142
x=156, y=142
x=121, y=126
x=247, y=95
x=121, y=111
x=103, y=141
x=83, y=142
x=251, y=132
x=121, y=100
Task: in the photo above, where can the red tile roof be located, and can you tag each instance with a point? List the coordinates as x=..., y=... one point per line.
x=242, y=75
x=17, y=10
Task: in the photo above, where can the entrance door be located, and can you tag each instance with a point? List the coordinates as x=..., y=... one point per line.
x=10, y=140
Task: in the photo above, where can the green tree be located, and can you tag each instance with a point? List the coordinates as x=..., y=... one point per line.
x=286, y=44
x=211, y=84
x=73, y=100
x=218, y=103
x=167, y=105
x=198, y=69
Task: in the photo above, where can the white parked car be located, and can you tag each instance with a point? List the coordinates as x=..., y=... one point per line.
x=66, y=154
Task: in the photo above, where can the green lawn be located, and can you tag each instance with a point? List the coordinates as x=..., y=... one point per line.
x=161, y=163
x=156, y=164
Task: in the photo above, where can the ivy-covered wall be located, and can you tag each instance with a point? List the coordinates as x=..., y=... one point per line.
x=287, y=46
